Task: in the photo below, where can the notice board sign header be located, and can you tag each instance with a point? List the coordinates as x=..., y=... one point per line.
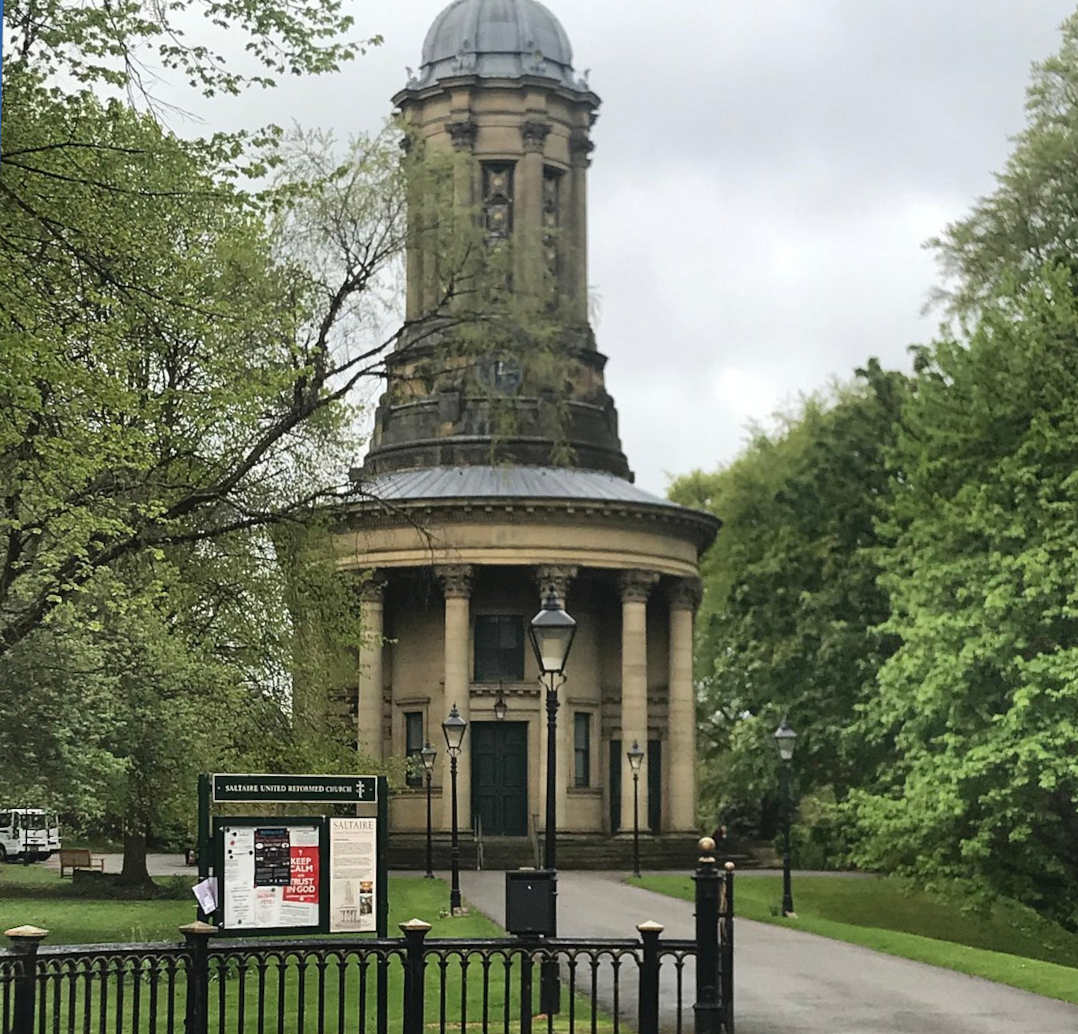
x=331, y=788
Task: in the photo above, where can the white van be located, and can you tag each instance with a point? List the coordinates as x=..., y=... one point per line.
x=28, y=832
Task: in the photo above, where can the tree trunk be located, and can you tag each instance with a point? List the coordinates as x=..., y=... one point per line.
x=135, y=873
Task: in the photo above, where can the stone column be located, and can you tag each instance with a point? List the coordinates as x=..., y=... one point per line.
x=369, y=702
x=635, y=587
x=528, y=214
x=456, y=581
x=576, y=232
x=556, y=580
x=683, y=597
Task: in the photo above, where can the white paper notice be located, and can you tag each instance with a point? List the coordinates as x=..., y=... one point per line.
x=352, y=875
x=205, y=893
x=255, y=896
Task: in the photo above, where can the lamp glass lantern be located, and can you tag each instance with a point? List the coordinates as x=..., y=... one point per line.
x=500, y=708
x=552, y=631
x=785, y=738
x=635, y=756
x=454, y=727
x=428, y=754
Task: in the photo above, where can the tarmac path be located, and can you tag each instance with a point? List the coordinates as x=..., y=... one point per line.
x=793, y=982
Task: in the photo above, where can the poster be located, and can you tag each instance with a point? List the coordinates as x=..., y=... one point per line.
x=352, y=875
x=271, y=876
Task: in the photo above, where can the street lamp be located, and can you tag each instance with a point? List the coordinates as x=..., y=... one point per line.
x=785, y=738
x=428, y=754
x=454, y=727
x=552, y=632
x=500, y=707
x=636, y=758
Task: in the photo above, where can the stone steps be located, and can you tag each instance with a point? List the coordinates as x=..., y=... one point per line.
x=575, y=851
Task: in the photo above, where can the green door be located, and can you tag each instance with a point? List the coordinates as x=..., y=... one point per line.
x=500, y=777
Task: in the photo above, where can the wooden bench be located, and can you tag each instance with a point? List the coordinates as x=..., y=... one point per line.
x=73, y=858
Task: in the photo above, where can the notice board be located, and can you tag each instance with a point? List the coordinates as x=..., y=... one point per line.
x=270, y=874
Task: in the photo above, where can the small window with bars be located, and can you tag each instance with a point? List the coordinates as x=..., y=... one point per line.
x=582, y=749
x=413, y=747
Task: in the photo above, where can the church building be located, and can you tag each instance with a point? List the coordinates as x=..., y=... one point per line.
x=465, y=528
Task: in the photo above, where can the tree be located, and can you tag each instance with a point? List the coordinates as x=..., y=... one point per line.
x=791, y=600
x=980, y=699
x=1031, y=218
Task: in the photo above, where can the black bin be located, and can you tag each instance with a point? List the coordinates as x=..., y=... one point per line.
x=531, y=902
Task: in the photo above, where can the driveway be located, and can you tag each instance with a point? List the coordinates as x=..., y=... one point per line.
x=798, y=983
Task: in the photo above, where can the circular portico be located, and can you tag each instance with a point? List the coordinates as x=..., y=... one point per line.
x=460, y=532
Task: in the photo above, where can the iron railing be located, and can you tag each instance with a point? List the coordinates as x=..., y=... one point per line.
x=410, y=984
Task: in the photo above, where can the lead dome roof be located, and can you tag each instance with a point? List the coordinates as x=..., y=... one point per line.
x=497, y=39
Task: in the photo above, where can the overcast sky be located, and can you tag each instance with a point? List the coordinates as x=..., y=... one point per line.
x=764, y=177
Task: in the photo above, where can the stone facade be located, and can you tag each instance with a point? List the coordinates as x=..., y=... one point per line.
x=454, y=576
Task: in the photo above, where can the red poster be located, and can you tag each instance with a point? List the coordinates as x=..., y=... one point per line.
x=304, y=885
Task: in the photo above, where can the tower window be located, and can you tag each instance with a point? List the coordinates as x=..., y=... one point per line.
x=582, y=749
x=499, y=648
x=413, y=744
x=551, y=218
x=497, y=200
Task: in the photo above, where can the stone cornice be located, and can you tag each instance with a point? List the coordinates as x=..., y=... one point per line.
x=694, y=525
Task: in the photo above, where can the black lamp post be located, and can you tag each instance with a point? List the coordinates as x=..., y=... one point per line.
x=785, y=738
x=636, y=758
x=552, y=632
x=428, y=754
x=454, y=727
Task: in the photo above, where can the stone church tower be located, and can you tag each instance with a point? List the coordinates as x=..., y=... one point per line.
x=467, y=530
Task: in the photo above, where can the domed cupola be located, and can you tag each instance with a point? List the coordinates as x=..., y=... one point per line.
x=497, y=39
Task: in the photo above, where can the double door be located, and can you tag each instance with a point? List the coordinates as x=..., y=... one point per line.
x=500, y=777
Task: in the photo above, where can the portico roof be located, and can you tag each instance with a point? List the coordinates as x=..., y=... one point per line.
x=508, y=482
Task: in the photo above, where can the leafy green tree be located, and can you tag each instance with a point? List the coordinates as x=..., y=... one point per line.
x=980, y=700
x=1031, y=218
x=791, y=600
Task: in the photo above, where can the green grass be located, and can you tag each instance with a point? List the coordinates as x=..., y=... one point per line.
x=1007, y=942
x=35, y=895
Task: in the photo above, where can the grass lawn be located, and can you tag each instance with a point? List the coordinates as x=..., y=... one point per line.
x=1009, y=943
x=35, y=895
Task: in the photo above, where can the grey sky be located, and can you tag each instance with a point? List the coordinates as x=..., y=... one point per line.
x=765, y=175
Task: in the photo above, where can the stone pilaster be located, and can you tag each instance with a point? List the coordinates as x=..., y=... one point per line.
x=576, y=232
x=528, y=207
x=456, y=582
x=635, y=587
x=683, y=598
x=370, y=688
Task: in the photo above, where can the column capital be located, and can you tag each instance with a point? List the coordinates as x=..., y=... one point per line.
x=684, y=593
x=580, y=147
x=455, y=579
x=534, y=134
x=463, y=133
x=636, y=586
x=372, y=589
x=554, y=578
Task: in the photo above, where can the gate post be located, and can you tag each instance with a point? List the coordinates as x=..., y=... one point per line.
x=707, y=1008
x=727, y=962
x=648, y=1008
x=24, y=942
x=197, y=937
x=415, y=930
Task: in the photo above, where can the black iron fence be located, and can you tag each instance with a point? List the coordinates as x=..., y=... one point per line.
x=411, y=984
